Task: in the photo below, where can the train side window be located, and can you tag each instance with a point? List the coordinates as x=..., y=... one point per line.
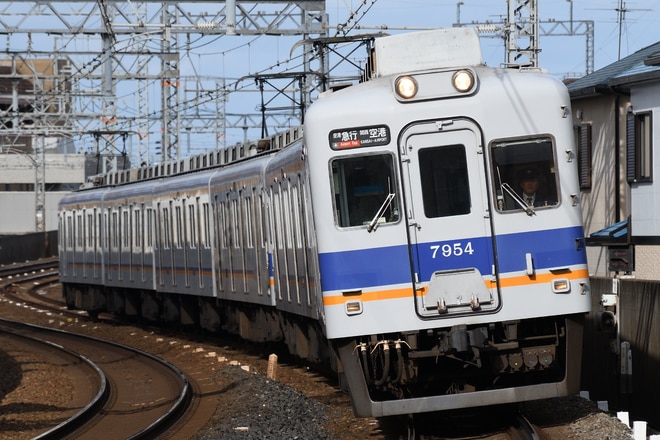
x=107, y=228
x=97, y=230
x=361, y=187
x=236, y=235
x=193, y=222
x=90, y=230
x=79, y=232
x=248, y=218
x=188, y=214
x=444, y=179
x=149, y=227
x=207, y=225
x=115, y=231
x=126, y=230
x=137, y=227
x=178, y=225
x=69, y=231
x=221, y=224
x=525, y=174
x=285, y=211
x=296, y=213
x=87, y=237
x=167, y=231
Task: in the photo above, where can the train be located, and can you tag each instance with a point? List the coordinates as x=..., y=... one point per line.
x=387, y=236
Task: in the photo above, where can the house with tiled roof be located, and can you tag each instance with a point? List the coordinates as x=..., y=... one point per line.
x=614, y=110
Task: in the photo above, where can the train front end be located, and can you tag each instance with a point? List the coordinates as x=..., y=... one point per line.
x=443, y=285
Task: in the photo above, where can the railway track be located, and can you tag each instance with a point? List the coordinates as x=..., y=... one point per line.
x=31, y=292
x=501, y=422
x=27, y=267
x=137, y=396
x=91, y=389
x=27, y=288
x=133, y=394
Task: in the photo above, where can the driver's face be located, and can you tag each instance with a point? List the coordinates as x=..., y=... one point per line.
x=529, y=186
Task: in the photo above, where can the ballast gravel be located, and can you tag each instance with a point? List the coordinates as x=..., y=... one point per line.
x=264, y=409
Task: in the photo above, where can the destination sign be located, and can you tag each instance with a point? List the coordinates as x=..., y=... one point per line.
x=358, y=137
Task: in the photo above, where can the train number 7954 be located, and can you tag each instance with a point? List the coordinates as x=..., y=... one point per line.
x=455, y=249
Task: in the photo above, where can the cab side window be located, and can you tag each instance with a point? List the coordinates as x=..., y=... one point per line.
x=363, y=186
x=524, y=174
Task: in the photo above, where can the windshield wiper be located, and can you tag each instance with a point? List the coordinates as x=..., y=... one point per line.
x=373, y=224
x=519, y=200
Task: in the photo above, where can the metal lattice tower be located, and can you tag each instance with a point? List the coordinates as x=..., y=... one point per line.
x=522, y=29
x=87, y=59
x=522, y=26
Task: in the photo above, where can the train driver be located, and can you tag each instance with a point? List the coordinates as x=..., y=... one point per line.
x=531, y=190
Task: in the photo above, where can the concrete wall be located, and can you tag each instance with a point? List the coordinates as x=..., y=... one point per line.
x=60, y=168
x=17, y=207
x=17, y=212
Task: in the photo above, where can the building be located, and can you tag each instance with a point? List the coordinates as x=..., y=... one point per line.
x=613, y=111
x=38, y=159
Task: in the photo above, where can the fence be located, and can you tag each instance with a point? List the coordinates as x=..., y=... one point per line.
x=19, y=248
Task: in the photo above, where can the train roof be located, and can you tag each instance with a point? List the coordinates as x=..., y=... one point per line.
x=438, y=48
x=205, y=161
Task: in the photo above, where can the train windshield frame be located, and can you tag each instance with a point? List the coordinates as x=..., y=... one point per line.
x=364, y=190
x=525, y=174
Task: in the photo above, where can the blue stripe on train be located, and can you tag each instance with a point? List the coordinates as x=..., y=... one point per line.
x=348, y=270
x=550, y=249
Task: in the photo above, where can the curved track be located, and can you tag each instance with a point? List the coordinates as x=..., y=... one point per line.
x=91, y=390
x=140, y=397
x=205, y=393
x=145, y=394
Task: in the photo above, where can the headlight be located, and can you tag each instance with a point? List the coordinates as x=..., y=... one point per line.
x=406, y=87
x=463, y=80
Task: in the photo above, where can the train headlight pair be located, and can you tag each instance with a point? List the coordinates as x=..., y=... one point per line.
x=407, y=86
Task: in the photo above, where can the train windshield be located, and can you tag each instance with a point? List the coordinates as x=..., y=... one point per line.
x=445, y=183
x=364, y=191
x=525, y=174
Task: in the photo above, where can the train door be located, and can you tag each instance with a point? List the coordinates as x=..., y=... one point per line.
x=447, y=214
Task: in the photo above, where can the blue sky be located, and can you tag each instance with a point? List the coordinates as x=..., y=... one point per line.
x=560, y=56
x=212, y=59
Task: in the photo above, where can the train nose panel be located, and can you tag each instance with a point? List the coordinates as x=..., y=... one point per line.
x=455, y=291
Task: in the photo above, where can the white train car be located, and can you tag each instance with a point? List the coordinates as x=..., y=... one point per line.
x=456, y=291
x=424, y=235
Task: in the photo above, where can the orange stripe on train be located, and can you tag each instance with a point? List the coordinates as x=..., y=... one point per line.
x=406, y=292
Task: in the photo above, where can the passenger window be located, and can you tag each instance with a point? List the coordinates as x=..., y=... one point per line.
x=444, y=179
x=364, y=189
x=525, y=174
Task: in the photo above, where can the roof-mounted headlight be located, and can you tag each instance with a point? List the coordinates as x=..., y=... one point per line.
x=406, y=87
x=463, y=80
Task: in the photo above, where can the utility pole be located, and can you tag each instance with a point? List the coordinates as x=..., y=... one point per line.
x=621, y=18
x=39, y=163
